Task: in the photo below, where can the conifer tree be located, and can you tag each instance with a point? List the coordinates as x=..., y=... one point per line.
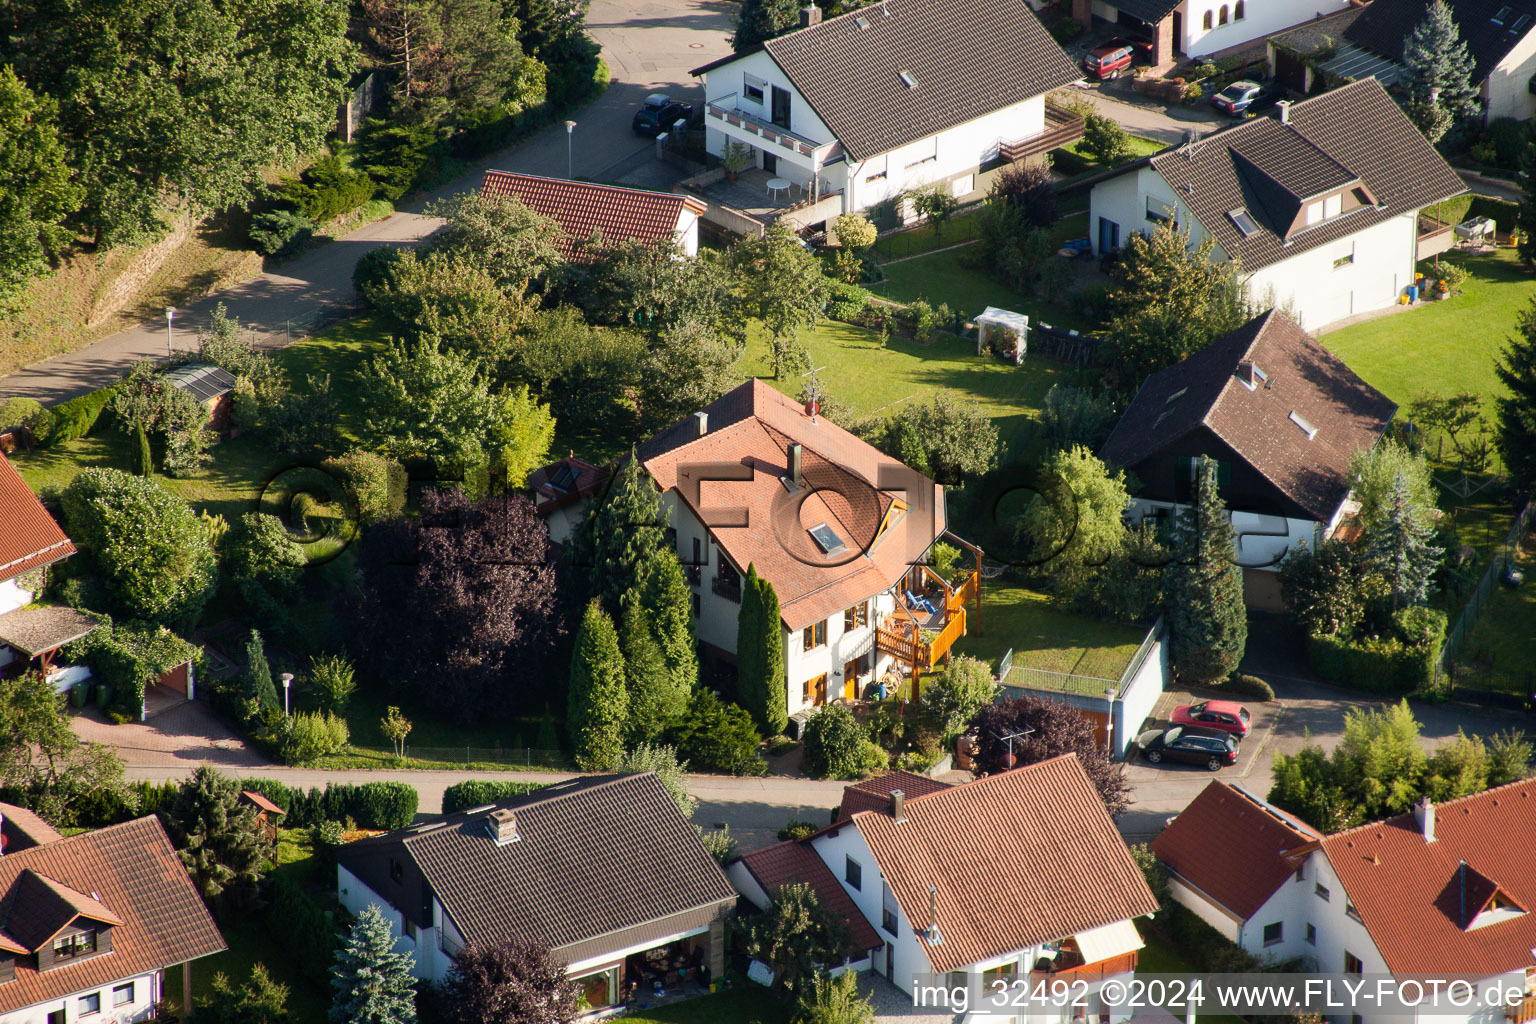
x=258, y=674
x=599, y=701
x=646, y=677
x=1517, y=410
x=624, y=532
x=760, y=655
x=217, y=839
x=1204, y=592
x=373, y=983
x=1402, y=547
x=670, y=604
x=1440, y=73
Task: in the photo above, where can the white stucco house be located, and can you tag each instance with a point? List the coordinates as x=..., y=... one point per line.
x=900, y=94
x=840, y=529
x=1318, y=207
x=611, y=214
x=1281, y=415
x=1500, y=36
x=1017, y=877
x=1199, y=28
x=1437, y=892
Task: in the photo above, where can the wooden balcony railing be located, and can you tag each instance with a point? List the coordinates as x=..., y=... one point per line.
x=1090, y=973
x=1523, y=1012
x=897, y=637
x=1062, y=128
x=965, y=593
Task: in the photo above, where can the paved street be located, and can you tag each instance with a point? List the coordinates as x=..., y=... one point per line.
x=649, y=47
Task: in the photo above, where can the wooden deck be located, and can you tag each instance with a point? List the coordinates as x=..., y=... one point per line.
x=902, y=632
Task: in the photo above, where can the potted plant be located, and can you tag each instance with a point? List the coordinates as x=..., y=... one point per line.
x=736, y=158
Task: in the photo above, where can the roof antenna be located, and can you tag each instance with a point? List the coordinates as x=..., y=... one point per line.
x=813, y=393
x=1191, y=139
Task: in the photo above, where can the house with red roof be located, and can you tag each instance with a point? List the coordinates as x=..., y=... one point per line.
x=840, y=529
x=1016, y=877
x=30, y=542
x=611, y=214
x=90, y=923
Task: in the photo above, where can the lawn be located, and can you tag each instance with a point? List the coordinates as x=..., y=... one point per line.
x=751, y=1005
x=944, y=277
x=1448, y=346
x=1157, y=957
x=1501, y=651
x=1045, y=638
x=868, y=378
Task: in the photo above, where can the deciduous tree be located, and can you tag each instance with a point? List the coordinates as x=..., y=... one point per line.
x=508, y=982
x=1516, y=369
x=41, y=757
x=795, y=934
x=1056, y=729
x=1075, y=524
x=1374, y=476
x=499, y=235
x=779, y=281
x=37, y=191
x=758, y=21
x=1204, y=587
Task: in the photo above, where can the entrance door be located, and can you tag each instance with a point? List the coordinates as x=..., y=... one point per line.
x=816, y=690
x=890, y=953
x=1109, y=235
x=1178, y=31
x=781, y=107
x=851, y=679
x=770, y=163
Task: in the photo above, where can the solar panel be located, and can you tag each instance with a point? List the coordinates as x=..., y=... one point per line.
x=827, y=538
x=564, y=478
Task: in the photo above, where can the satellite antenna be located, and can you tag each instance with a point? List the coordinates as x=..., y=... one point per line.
x=813, y=392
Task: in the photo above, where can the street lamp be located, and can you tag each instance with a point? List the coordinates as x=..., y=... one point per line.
x=287, y=682
x=170, y=345
x=1109, y=721
x=570, y=166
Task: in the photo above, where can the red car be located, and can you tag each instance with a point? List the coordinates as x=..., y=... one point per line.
x=1228, y=716
x=1110, y=60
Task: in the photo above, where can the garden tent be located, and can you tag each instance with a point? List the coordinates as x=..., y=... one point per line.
x=1010, y=328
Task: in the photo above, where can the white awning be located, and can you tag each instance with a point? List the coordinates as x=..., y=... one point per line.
x=1109, y=941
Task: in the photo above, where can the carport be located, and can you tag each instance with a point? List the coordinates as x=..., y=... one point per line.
x=1160, y=21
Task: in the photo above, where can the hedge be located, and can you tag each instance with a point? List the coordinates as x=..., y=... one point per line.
x=478, y=792
x=1501, y=211
x=1386, y=664
x=372, y=805
x=309, y=934
x=77, y=417
x=1248, y=686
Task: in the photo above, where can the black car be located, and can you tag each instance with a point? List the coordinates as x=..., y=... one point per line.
x=1187, y=743
x=1242, y=98
x=659, y=114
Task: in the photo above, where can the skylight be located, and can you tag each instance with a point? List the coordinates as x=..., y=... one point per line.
x=861, y=21
x=1502, y=16
x=1305, y=425
x=564, y=478
x=1244, y=222
x=1175, y=396
x=1520, y=23
x=906, y=77
x=827, y=539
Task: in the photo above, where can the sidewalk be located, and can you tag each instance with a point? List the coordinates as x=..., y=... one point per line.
x=645, y=54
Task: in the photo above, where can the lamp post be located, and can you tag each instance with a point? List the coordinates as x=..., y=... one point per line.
x=1109, y=722
x=570, y=164
x=170, y=344
x=287, y=682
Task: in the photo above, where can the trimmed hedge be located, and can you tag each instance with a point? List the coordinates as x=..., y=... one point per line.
x=1248, y=686
x=310, y=936
x=1384, y=664
x=372, y=805
x=77, y=417
x=477, y=792
x=1501, y=211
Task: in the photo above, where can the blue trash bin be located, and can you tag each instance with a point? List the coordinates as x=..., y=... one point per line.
x=1413, y=293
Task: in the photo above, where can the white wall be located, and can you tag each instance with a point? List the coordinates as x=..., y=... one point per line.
x=1260, y=540
x=1321, y=293
x=146, y=993
x=1504, y=92
x=687, y=233
x=1124, y=200
x=1260, y=18
x=430, y=960
x=841, y=647
x=13, y=595
x=1139, y=697
x=908, y=957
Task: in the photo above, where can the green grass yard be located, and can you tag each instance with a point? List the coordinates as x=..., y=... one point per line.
x=1501, y=652
x=748, y=1005
x=1043, y=637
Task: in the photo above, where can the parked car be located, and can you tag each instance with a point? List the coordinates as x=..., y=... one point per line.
x=1188, y=743
x=1221, y=715
x=659, y=113
x=1110, y=60
x=1245, y=97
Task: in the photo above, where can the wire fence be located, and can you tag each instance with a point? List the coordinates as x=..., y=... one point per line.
x=1023, y=677
x=528, y=757
x=1496, y=569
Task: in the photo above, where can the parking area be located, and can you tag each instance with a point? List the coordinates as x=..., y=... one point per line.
x=1266, y=717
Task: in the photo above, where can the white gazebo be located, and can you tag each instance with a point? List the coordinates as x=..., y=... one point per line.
x=1011, y=328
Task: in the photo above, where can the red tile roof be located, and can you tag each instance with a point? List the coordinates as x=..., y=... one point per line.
x=260, y=802
x=1231, y=846
x=1408, y=892
x=795, y=861
x=128, y=871
x=21, y=829
x=1019, y=858
x=875, y=794
x=750, y=430
x=31, y=538
x=583, y=209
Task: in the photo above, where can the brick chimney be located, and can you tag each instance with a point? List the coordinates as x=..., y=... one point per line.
x=898, y=805
x=502, y=826
x=810, y=15
x=1424, y=816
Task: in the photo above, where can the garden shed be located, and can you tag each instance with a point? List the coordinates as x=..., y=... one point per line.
x=210, y=385
x=1007, y=330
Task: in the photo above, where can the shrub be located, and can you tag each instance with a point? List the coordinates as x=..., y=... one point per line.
x=1399, y=662
x=77, y=417
x=309, y=934
x=327, y=190
x=1065, y=29
x=1251, y=687
x=398, y=157
x=478, y=792
x=376, y=485
x=29, y=414
x=186, y=452
x=333, y=681
x=715, y=736
x=1153, y=870
x=1509, y=139
x=836, y=748
x=1105, y=140
x=796, y=829
x=376, y=268
x=854, y=231
x=965, y=687
x=310, y=735
x=721, y=845
x=279, y=232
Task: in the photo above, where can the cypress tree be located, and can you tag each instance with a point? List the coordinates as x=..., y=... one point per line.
x=646, y=677
x=258, y=674
x=373, y=983
x=1204, y=591
x=1440, y=73
x=1516, y=367
x=146, y=460
x=622, y=536
x=760, y=655
x=599, y=702
x=1403, y=547
x=670, y=604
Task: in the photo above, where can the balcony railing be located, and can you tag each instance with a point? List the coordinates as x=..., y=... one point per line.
x=726, y=109
x=1089, y=973
x=896, y=636
x=1522, y=1012
x=1062, y=128
x=694, y=574
x=730, y=589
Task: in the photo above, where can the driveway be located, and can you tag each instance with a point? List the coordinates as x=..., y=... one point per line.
x=649, y=47
x=1143, y=117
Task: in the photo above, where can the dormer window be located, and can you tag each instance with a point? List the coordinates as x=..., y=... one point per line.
x=1325, y=209
x=68, y=947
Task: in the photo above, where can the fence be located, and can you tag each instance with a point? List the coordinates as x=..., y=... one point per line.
x=528, y=757
x=1023, y=677
x=1064, y=346
x=1496, y=568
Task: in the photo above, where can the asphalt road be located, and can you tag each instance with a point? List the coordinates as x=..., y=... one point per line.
x=649, y=47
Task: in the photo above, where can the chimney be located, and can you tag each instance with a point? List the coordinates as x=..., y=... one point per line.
x=700, y=423
x=502, y=825
x=932, y=934
x=1245, y=373
x=794, y=464
x=810, y=15
x=898, y=805
x=1284, y=106
x=1424, y=816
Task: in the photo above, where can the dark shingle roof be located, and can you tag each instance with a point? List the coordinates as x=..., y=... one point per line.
x=968, y=58
x=593, y=857
x=1303, y=377
x=584, y=209
x=126, y=875
x=1149, y=11
x=1384, y=25
x=1356, y=131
